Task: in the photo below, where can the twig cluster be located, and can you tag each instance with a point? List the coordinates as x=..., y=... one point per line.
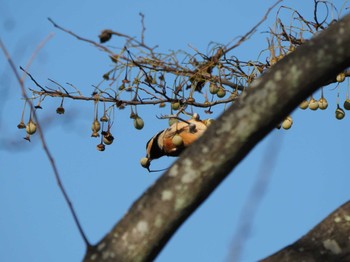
x=140, y=75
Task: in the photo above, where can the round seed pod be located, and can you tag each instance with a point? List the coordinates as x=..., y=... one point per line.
x=287, y=123
x=322, y=103
x=172, y=121
x=100, y=147
x=60, y=110
x=108, y=138
x=340, y=77
x=213, y=88
x=31, y=127
x=303, y=105
x=313, y=104
x=177, y=140
x=339, y=113
x=221, y=93
x=347, y=104
x=175, y=106
x=145, y=162
x=138, y=123
x=96, y=126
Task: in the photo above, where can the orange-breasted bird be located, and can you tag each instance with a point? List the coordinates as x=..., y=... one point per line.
x=173, y=140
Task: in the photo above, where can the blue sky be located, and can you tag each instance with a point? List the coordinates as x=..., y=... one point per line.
x=308, y=180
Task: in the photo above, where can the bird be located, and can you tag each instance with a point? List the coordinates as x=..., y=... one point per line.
x=174, y=139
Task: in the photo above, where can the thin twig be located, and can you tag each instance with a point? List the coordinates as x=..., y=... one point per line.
x=247, y=35
x=43, y=142
x=81, y=38
x=143, y=27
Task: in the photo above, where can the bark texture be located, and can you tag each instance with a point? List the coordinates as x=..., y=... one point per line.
x=157, y=214
x=328, y=241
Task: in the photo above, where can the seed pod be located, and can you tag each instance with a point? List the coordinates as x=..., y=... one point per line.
x=322, y=103
x=145, y=162
x=190, y=100
x=347, y=104
x=313, y=104
x=162, y=104
x=138, y=123
x=60, y=110
x=21, y=125
x=172, y=121
x=213, y=88
x=221, y=93
x=108, y=138
x=340, y=77
x=100, y=147
x=104, y=118
x=287, y=123
x=177, y=140
x=105, y=36
x=175, y=106
x=339, y=113
x=303, y=105
x=95, y=134
x=96, y=126
x=31, y=127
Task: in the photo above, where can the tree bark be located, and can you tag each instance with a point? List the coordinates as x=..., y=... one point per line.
x=328, y=241
x=158, y=213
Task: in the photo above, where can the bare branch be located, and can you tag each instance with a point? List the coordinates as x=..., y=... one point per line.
x=43, y=142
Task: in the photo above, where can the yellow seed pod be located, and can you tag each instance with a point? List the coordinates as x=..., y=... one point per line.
x=303, y=105
x=162, y=104
x=108, y=138
x=190, y=100
x=175, y=106
x=287, y=123
x=213, y=88
x=177, y=140
x=340, y=77
x=322, y=103
x=313, y=104
x=221, y=92
x=96, y=126
x=145, y=162
x=172, y=121
x=347, y=104
x=138, y=123
x=339, y=113
x=31, y=127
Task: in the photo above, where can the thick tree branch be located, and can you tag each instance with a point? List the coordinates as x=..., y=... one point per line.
x=157, y=214
x=328, y=241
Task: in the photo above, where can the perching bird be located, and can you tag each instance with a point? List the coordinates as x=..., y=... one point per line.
x=173, y=140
